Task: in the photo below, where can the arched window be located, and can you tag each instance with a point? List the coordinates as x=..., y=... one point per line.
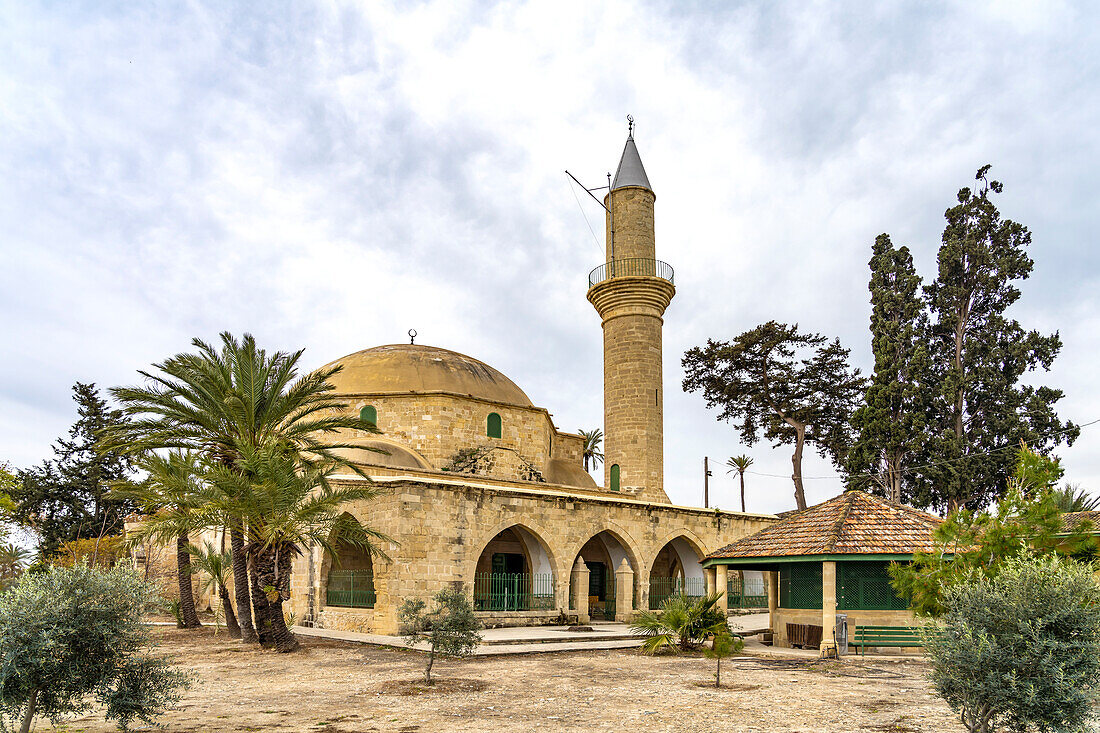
x=615, y=477
x=492, y=425
x=369, y=415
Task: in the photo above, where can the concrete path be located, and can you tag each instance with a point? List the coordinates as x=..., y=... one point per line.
x=518, y=640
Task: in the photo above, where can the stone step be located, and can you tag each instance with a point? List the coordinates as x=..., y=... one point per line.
x=564, y=637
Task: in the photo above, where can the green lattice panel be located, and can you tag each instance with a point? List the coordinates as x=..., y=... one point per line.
x=800, y=585
x=865, y=586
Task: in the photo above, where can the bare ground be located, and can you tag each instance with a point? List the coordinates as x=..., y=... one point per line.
x=334, y=687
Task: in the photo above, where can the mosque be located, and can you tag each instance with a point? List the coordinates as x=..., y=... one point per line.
x=483, y=492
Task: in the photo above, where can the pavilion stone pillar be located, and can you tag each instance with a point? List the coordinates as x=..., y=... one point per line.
x=580, y=591
x=710, y=574
x=624, y=592
x=772, y=578
x=828, y=607
x=721, y=576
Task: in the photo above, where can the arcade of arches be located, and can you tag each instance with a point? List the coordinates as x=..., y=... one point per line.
x=526, y=557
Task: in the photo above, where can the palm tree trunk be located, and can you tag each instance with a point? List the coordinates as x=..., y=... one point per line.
x=742, y=491
x=285, y=641
x=231, y=624
x=183, y=573
x=268, y=592
x=261, y=607
x=240, y=584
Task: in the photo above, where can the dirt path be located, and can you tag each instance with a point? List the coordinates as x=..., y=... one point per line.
x=332, y=687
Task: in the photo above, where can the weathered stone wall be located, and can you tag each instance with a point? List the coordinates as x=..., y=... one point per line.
x=631, y=305
x=632, y=210
x=440, y=425
x=568, y=447
x=443, y=528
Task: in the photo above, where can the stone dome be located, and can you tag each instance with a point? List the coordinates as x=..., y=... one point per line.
x=405, y=368
x=383, y=453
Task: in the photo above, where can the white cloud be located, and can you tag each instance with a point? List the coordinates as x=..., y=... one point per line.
x=333, y=176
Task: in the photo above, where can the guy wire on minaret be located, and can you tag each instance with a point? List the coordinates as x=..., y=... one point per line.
x=610, y=216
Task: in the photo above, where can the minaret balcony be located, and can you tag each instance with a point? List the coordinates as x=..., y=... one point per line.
x=630, y=267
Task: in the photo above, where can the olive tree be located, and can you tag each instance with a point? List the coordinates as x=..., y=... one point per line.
x=71, y=636
x=450, y=628
x=1020, y=650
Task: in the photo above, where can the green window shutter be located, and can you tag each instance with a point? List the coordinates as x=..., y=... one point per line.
x=492, y=425
x=369, y=415
x=615, y=477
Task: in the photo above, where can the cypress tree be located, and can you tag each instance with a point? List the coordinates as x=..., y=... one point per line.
x=890, y=426
x=979, y=410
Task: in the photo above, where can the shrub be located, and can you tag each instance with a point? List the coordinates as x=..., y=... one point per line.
x=72, y=635
x=1021, y=649
x=681, y=623
x=450, y=628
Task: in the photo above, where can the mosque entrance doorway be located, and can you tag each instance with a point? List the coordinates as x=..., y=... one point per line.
x=514, y=573
x=602, y=555
x=677, y=570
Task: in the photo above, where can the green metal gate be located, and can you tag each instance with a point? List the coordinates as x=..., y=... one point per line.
x=663, y=588
x=751, y=593
x=513, y=591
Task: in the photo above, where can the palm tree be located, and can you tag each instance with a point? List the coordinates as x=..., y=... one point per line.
x=170, y=494
x=740, y=464
x=227, y=401
x=681, y=624
x=591, y=451
x=287, y=504
x=217, y=566
x=13, y=561
x=1072, y=498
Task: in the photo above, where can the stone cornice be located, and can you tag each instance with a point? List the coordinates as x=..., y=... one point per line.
x=562, y=492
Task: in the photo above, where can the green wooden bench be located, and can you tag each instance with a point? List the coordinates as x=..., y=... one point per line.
x=899, y=636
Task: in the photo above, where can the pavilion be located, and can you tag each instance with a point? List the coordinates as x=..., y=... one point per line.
x=827, y=559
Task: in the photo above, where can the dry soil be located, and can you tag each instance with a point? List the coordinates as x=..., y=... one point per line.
x=335, y=687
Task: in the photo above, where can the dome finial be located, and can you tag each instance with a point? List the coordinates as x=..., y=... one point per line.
x=630, y=126
x=412, y=335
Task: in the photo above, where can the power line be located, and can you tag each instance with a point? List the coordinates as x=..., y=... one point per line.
x=910, y=469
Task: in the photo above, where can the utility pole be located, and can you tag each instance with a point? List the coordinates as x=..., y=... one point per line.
x=706, y=482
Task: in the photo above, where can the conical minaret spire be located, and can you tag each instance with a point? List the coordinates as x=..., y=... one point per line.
x=631, y=291
x=630, y=172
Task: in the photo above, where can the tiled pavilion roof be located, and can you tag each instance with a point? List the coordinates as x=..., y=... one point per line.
x=1070, y=520
x=854, y=523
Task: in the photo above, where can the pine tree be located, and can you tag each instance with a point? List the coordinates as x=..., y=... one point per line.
x=890, y=425
x=789, y=386
x=64, y=499
x=980, y=411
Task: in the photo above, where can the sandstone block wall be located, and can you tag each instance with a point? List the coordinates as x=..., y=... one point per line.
x=441, y=531
x=632, y=213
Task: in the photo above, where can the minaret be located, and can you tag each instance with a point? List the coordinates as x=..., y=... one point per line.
x=631, y=292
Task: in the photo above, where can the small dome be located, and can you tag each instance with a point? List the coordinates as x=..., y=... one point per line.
x=568, y=473
x=383, y=453
x=405, y=368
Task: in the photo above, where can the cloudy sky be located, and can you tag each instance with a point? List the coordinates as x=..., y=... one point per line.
x=329, y=176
